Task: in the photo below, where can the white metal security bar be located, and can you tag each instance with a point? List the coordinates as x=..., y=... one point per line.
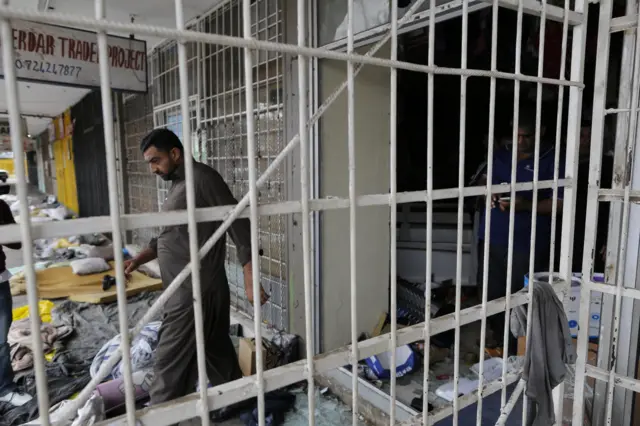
x=621, y=198
x=11, y=233
x=114, y=210
x=209, y=399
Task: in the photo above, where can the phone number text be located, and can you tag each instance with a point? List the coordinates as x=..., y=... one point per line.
x=48, y=68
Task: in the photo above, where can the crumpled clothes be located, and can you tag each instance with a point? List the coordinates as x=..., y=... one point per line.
x=63, y=381
x=143, y=349
x=19, y=340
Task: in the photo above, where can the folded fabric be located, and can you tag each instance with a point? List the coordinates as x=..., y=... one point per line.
x=21, y=344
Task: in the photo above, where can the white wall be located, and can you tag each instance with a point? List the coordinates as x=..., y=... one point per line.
x=372, y=176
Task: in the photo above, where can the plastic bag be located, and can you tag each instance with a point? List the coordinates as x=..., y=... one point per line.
x=58, y=213
x=44, y=307
x=89, y=266
x=381, y=364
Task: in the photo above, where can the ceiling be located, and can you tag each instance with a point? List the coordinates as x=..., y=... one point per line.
x=47, y=100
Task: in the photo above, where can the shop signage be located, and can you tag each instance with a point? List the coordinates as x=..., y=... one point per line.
x=5, y=136
x=68, y=56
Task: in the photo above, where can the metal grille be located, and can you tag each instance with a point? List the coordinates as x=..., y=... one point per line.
x=218, y=121
x=615, y=373
x=256, y=68
x=142, y=186
x=224, y=135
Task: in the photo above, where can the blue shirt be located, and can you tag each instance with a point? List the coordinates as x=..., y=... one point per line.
x=522, y=224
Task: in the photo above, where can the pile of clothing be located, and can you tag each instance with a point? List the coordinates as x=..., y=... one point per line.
x=44, y=208
x=69, y=364
x=80, y=337
x=21, y=342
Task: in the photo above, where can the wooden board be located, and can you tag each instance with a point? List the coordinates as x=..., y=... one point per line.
x=57, y=283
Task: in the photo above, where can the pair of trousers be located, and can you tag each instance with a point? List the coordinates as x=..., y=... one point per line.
x=6, y=372
x=175, y=370
x=497, y=283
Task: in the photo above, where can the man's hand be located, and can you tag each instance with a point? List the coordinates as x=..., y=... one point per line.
x=129, y=267
x=504, y=203
x=248, y=285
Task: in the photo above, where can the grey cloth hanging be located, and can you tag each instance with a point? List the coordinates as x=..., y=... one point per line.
x=549, y=350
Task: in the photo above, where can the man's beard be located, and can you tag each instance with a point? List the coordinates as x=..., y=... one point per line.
x=168, y=176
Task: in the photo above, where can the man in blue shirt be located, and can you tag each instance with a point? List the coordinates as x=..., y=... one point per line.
x=501, y=204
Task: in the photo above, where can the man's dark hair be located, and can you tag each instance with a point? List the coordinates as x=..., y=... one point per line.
x=527, y=120
x=163, y=139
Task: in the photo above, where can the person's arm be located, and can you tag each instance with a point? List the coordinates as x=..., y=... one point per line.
x=6, y=218
x=545, y=205
x=215, y=192
x=145, y=256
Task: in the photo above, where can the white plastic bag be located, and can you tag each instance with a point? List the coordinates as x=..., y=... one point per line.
x=381, y=364
x=58, y=213
x=89, y=266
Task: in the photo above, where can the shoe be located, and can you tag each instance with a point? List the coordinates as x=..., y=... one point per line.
x=17, y=399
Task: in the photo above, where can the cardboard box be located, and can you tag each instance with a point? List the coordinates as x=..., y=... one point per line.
x=573, y=310
x=592, y=354
x=383, y=326
x=247, y=356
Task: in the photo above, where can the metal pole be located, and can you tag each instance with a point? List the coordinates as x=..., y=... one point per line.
x=15, y=123
x=393, y=204
x=429, y=202
x=534, y=204
x=487, y=211
x=508, y=407
x=352, y=216
x=631, y=148
x=303, y=131
x=192, y=225
x=253, y=195
x=460, y=228
x=559, y=391
x=114, y=208
x=514, y=162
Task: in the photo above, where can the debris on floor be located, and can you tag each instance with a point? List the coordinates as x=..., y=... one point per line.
x=69, y=369
x=329, y=411
x=91, y=336
x=409, y=388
